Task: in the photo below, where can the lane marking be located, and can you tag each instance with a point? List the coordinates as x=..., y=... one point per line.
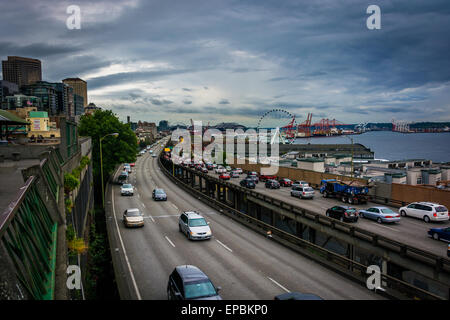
x=143, y=205
x=278, y=284
x=123, y=249
x=224, y=246
x=167, y=216
x=174, y=206
x=169, y=241
x=381, y=225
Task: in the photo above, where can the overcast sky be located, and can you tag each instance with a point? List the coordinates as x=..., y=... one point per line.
x=220, y=60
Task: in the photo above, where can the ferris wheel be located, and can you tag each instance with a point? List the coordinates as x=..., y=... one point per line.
x=282, y=121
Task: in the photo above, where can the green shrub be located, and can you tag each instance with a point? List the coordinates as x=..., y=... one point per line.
x=84, y=161
x=70, y=182
x=70, y=233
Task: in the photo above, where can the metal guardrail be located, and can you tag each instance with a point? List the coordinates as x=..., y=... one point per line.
x=52, y=182
x=28, y=233
x=333, y=260
x=440, y=263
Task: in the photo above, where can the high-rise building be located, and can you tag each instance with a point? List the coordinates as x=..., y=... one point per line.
x=78, y=103
x=79, y=87
x=63, y=96
x=22, y=101
x=46, y=92
x=21, y=71
x=7, y=89
x=163, y=125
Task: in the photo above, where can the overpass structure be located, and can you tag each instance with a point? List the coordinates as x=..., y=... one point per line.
x=407, y=271
x=246, y=264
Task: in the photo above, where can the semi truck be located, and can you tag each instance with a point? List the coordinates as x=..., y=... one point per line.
x=353, y=192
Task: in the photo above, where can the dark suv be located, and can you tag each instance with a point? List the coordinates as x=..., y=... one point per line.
x=190, y=283
x=254, y=176
x=272, y=184
x=343, y=213
x=247, y=183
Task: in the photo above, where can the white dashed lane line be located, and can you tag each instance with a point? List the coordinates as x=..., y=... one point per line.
x=278, y=284
x=171, y=243
x=224, y=246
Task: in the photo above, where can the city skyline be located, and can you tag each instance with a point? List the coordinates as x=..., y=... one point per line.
x=222, y=61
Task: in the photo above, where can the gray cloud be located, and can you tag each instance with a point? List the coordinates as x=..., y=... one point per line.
x=304, y=56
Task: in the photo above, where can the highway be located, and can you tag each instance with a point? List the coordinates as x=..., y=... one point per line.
x=410, y=231
x=245, y=264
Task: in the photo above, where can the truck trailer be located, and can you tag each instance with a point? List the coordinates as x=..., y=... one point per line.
x=353, y=192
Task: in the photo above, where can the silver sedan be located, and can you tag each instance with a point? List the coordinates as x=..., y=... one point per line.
x=380, y=214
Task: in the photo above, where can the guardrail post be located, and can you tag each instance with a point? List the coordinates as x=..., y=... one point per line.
x=439, y=264
x=403, y=250
x=375, y=240
x=352, y=231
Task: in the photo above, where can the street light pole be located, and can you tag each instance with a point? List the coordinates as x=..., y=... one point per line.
x=101, y=165
x=351, y=139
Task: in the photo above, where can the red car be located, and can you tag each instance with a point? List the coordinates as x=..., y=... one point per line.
x=132, y=164
x=265, y=177
x=285, y=182
x=224, y=176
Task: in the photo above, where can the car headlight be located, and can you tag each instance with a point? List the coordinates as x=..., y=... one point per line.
x=208, y=233
x=192, y=233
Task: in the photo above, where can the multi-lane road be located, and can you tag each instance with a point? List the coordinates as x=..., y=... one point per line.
x=410, y=231
x=245, y=264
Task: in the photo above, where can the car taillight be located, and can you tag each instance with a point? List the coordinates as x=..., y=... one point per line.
x=346, y=214
x=389, y=217
x=434, y=214
x=304, y=192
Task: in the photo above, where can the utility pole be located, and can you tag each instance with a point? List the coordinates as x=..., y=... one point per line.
x=351, y=139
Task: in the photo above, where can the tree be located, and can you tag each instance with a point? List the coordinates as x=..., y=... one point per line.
x=121, y=149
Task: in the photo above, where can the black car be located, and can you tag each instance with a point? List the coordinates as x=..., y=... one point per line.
x=297, y=296
x=343, y=213
x=159, y=194
x=272, y=184
x=253, y=177
x=190, y=283
x=247, y=183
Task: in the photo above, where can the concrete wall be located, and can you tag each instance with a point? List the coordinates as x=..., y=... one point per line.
x=26, y=152
x=408, y=193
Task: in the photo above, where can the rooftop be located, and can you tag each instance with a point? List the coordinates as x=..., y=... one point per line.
x=38, y=114
x=12, y=180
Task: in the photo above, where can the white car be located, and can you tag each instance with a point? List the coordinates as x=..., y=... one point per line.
x=194, y=226
x=133, y=218
x=238, y=170
x=228, y=168
x=302, y=192
x=220, y=170
x=126, y=190
x=300, y=183
x=427, y=211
